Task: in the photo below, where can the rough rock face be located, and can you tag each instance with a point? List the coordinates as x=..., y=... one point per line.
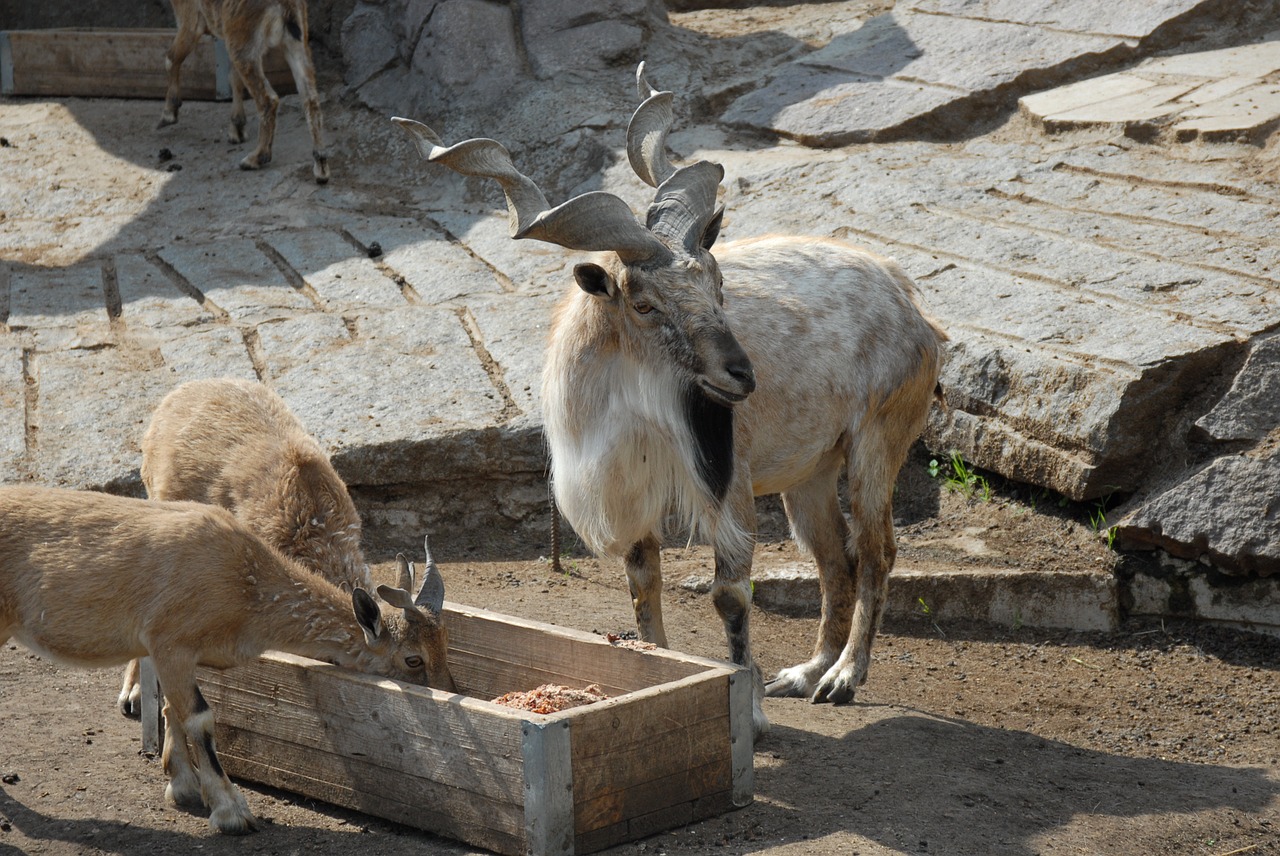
x=424, y=54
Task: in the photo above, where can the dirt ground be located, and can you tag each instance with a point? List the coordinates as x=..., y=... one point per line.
x=966, y=739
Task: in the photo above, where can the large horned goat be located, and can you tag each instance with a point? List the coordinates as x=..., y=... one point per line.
x=92, y=580
x=650, y=403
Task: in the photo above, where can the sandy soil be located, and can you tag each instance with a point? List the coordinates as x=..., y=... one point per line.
x=967, y=739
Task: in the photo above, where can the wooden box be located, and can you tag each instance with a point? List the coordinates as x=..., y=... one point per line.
x=93, y=62
x=671, y=745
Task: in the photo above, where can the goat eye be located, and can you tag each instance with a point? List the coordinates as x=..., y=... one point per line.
x=642, y=308
x=413, y=662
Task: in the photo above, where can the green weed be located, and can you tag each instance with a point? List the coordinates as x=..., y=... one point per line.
x=961, y=478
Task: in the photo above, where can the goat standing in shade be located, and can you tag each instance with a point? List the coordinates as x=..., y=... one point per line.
x=90, y=579
x=249, y=28
x=679, y=379
x=234, y=443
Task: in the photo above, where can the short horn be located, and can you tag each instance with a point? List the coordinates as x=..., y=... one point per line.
x=595, y=221
x=431, y=596
x=404, y=569
x=647, y=133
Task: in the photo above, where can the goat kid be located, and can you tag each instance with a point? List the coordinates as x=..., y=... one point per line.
x=679, y=379
x=249, y=28
x=234, y=443
x=90, y=579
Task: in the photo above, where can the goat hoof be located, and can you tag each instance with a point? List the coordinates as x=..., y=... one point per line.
x=235, y=134
x=131, y=702
x=255, y=161
x=185, y=795
x=233, y=820
x=321, y=171
x=837, y=691
x=166, y=120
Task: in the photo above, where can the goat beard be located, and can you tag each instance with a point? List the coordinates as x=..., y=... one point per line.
x=711, y=427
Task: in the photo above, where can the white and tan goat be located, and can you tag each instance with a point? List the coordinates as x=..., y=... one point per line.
x=676, y=379
x=249, y=28
x=90, y=579
x=234, y=443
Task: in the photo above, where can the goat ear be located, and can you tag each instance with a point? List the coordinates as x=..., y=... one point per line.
x=396, y=597
x=595, y=280
x=368, y=616
x=712, y=231
x=405, y=568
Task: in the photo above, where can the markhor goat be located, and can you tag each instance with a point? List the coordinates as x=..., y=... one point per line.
x=676, y=379
x=91, y=579
x=234, y=443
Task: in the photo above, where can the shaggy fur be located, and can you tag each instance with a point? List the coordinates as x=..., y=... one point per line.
x=234, y=443
x=845, y=367
x=93, y=580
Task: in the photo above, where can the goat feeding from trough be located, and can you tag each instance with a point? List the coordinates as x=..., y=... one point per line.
x=678, y=379
x=250, y=28
x=92, y=580
x=234, y=443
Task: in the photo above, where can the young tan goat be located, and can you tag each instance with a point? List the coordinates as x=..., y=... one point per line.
x=234, y=443
x=249, y=28
x=92, y=580
x=678, y=380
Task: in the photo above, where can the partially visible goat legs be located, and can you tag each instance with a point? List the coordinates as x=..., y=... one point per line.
x=189, y=33
x=235, y=131
x=249, y=68
x=876, y=553
x=189, y=721
x=819, y=528
x=644, y=578
x=298, y=56
x=130, y=700
x=731, y=593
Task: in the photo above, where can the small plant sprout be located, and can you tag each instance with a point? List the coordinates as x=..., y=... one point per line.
x=962, y=479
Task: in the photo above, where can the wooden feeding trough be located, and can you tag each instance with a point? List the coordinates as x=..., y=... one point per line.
x=127, y=63
x=672, y=744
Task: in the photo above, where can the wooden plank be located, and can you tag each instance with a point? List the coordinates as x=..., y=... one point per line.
x=742, y=736
x=151, y=702
x=464, y=743
x=413, y=802
x=503, y=654
x=126, y=63
x=548, y=788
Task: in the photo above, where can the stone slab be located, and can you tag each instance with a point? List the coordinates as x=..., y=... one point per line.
x=1227, y=513
x=1172, y=587
x=400, y=402
x=514, y=331
x=872, y=82
x=342, y=278
x=1020, y=598
x=1130, y=20
x=1250, y=409
x=236, y=277
x=70, y=297
x=209, y=351
x=149, y=301
x=438, y=270
x=13, y=408
x=1209, y=93
x=530, y=267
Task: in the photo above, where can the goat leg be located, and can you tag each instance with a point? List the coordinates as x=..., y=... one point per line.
x=644, y=578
